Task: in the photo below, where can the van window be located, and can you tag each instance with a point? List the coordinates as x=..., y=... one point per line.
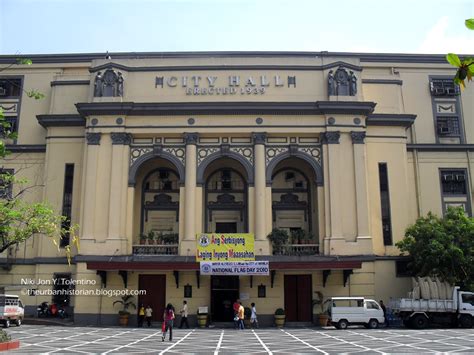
x=372, y=305
x=468, y=299
x=347, y=303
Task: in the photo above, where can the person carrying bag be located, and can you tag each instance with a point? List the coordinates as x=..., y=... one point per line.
x=168, y=317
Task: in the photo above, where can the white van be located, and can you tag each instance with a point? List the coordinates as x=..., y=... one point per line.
x=11, y=310
x=345, y=311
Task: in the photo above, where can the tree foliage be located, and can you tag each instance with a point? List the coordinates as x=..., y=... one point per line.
x=442, y=247
x=19, y=219
x=465, y=66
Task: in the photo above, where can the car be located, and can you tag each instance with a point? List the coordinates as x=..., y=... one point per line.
x=11, y=310
x=346, y=311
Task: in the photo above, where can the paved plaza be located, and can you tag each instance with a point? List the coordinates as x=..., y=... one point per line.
x=84, y=340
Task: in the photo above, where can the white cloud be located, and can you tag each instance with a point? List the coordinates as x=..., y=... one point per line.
x=438, y=41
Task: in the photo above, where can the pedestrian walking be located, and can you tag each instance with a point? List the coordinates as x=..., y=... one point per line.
x=141, y=315
x=148, y=314
x=168, y=317
x=384, y=309
x=240, y=315
x=236, y=307
x=253, y=316
x=184, y=315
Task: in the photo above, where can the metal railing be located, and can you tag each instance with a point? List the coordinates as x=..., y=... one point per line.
x=157, y=249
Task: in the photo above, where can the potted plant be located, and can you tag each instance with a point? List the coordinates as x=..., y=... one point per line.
x=278, y=237
x=126, y=302
x=171, y=238
x=298, y=236
x=247, y=314
x=143, y=239
x=6, y=342
x=151, y=237
x=280, y=317
x=322, y=317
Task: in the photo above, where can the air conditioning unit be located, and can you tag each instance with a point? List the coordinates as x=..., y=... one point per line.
x=448, y=177
x=3, y=91
x=444, y=130
x=460, y=177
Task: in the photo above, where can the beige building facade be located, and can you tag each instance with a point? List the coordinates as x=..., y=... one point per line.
x=146, y=150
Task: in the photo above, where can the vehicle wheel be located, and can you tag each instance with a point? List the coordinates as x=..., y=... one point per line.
x=342, y=324
x=18, y=322
x=419, y=321
x=6, y=323
x=373, y=324
x=466, y=321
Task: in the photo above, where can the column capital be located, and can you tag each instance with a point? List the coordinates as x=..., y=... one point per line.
x=331, y=137
x=93, y=138
x=191, y=138
x=259, y=138
x=121, y=138
x=358, y=137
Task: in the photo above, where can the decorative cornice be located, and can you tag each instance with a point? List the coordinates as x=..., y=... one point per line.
x=259, y=138
x=441, y=147
x=61, y=120
x=191, y=138
x=234, y=67
x=93, y=138
x=70, y=82
x=219, y=108
x=363, y=57
x=26, y=148
x=358, y=137
x=383, y=81
x=331, y=137
x=390, y=119
x=121, y=138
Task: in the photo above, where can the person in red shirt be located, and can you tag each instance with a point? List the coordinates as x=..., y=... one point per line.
x=236, y=307
x=168, y=317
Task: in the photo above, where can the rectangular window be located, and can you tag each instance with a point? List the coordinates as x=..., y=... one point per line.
x=10, y=88
x=446, y=111
x=67, y=202
x=455, y=189
x=385, y=204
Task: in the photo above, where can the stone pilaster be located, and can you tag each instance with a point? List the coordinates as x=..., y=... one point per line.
x=190, y=187
x=260, y=186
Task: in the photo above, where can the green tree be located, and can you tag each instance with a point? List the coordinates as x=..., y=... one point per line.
x=466, y=65
x=442, y=247
x=19, y=219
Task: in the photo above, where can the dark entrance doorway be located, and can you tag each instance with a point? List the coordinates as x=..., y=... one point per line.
x=155, y=287
x=227, y=227
x=298, y=298
x=224, y=292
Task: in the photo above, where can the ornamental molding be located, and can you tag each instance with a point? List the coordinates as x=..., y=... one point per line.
x=358, y=137
x=121, y=138
x=179, y=152
x=93, y=138
x=331, y=137
x=191, y=138
x=259, y=138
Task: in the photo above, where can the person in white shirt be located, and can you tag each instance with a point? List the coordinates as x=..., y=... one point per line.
x=148, y=313
x=184, y=315
x=253, y=316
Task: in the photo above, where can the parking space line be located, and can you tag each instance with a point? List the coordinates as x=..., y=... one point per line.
x=307, y=344
x=219, y=343
x=347, y=342
x=261, y=342
x=136, y=341
x=179, y=341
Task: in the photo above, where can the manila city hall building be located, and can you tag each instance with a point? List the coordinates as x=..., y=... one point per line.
x=147, y=151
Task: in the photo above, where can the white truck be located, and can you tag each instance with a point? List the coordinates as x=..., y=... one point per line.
x=11, y=310
x=419, y=313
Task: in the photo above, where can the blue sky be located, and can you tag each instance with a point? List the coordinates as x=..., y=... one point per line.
x=79, y=26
